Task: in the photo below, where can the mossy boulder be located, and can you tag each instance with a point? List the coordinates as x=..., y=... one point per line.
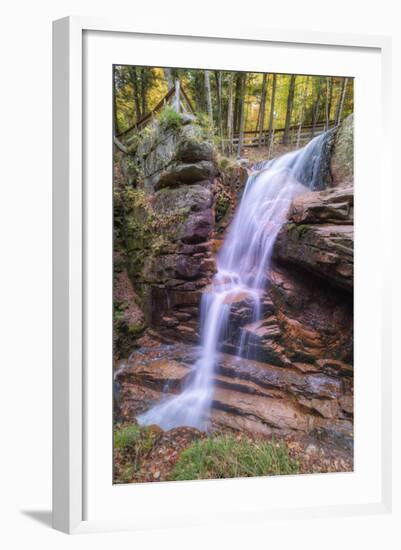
x=193, y=149
x=183, y=199
x=185, y=174
x=130, y=170
x=170, y=141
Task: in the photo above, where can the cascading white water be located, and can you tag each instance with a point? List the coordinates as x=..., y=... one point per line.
x=242, y=267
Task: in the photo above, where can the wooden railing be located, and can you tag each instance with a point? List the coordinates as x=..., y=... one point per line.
x=253, y=139
x=175, y=97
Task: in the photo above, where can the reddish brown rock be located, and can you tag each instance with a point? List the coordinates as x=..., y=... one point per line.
x=330, y=206
x=198, y=227
x=316, y=318
x=154, y=374
x=249, y=395
x=347, y=403
x=324, y=250
x=264, y=413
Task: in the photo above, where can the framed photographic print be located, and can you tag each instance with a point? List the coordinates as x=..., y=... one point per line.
x=219, y=324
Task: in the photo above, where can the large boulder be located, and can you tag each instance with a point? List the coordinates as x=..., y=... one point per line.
x=342, y=158
x=198, y=227
x=330, y=206
x=319, y=235
x=184, y=173
x=325, y=249
x=193, y=149
x=171, y=155
x=184, y=199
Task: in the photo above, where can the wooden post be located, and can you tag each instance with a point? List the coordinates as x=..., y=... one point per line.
x=177, y=95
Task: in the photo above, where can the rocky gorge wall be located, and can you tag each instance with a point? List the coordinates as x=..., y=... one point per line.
x=298, y=373
x=171, y=203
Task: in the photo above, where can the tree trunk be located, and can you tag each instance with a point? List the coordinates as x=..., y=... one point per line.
x=262, y=108
x=144, y=85
x=290, y=101
x=241, y=115
x=327, y=113
x=301, y=111
x=168, y=75
x=217, y=75
x=230, y=113
x=237, y=101
x=115, y=118
x=208, y=97
x=271, y=114
x=134, y=81
x=341, y=99
x=331, y=96
x=316, y=107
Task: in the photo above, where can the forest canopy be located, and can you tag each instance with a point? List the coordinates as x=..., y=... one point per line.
x=234, y=103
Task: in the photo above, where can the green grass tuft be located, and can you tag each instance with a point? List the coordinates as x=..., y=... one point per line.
x=133, y=437
x=132, y=444
x=169, y=119
x=126, y=437
x=228, y=457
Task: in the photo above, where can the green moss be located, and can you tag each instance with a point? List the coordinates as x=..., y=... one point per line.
x=169, y=119
x=222, y=206
x=131, y=170
x=132, y=443
x=147, y=229
x=126, y=437
x=226, y=165
x=302, y=229
x=136, y=329
x=297, y=231
x=227, y=457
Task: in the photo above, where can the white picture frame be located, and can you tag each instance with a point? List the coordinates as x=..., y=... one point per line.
x=70, y=258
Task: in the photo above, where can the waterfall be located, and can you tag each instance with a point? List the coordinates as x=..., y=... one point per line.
x=243, y=265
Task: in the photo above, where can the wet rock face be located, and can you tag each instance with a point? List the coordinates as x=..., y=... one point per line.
x=316, y=172
x=319, y=235
x=312, y=282
x=256, y=397
x=305, y=321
